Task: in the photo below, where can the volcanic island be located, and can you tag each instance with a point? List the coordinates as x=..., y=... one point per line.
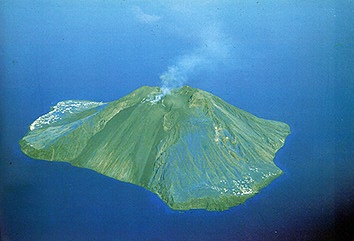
x=191, y=148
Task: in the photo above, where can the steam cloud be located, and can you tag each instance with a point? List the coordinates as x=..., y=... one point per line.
x=213, y=48
x=143, y=17
x=212, y=44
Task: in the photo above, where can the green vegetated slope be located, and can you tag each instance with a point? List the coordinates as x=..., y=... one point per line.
x=189, y=147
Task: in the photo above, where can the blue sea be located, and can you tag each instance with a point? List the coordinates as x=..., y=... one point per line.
x=291, y=61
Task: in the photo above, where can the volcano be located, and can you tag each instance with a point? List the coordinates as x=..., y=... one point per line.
x=191, y=148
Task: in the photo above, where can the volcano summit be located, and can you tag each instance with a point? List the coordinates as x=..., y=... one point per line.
x=191, y=148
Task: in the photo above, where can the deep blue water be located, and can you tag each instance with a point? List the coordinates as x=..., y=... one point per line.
x=290, y=61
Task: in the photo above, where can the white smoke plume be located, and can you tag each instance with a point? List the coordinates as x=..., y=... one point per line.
x=143, y=17
x=199, y=24
x=212, y=48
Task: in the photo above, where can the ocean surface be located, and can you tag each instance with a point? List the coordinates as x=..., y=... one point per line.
x=290, y=61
